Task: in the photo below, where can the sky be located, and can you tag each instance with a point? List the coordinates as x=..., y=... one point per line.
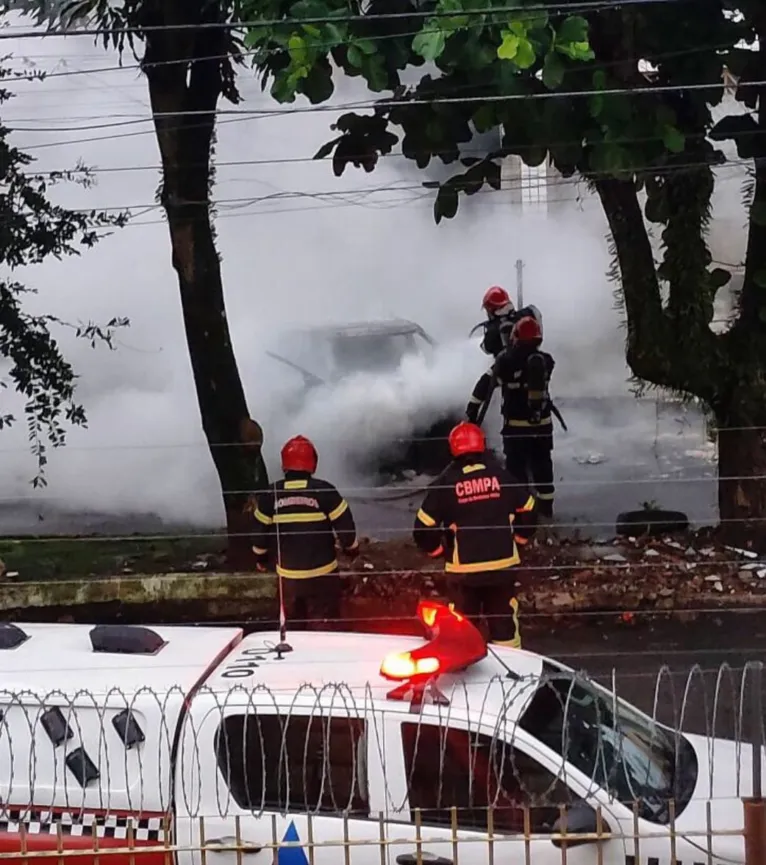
x=299, y=248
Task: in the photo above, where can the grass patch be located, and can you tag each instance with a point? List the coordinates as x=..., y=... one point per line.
x=55, y=557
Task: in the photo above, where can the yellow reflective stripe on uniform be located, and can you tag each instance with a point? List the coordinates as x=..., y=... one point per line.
x=546, y=497
x=259, y=551
x=262, y=518
x=311, y=517
x=474, y=468
x=296, y=485
x=305, y=575
x=426, y=519
x=543, y=422
x=529, y=505
x=477, y=567
x=535, y=394
x=474, y=400
x=339, y=511
x=512, y=385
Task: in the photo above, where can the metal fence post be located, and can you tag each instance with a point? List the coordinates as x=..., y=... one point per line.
x=755, y=806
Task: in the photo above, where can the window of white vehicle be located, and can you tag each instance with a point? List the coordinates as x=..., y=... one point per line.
x=310, y=763
x=448, y=767
x=622, y=750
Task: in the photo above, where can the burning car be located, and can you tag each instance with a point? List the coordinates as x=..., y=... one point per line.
x=327, y=354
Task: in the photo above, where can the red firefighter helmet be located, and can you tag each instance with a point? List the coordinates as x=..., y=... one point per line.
x=466, y=438
x=496, y=300
x=299, y=455
x=527, y=329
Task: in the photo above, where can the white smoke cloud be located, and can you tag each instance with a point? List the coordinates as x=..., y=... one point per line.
x=299, y=248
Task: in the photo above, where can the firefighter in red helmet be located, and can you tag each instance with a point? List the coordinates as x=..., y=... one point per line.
x=475, y=516
x=500, y=310
x=298, y=520
x=523, y=372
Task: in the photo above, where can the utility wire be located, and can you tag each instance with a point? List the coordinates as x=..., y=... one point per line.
x=656, y=58
x=438, y=100
x=570, y=8
x=330, y=194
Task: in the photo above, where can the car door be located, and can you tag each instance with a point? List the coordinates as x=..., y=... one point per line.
x=463, y=795
x=254, y=778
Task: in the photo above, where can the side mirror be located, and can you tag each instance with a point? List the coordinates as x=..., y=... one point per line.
x=581, y=819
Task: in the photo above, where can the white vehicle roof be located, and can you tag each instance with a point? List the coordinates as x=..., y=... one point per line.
x=352, y=662
x=60, y=657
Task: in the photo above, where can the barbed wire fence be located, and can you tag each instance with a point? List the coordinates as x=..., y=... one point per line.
x=527, y=741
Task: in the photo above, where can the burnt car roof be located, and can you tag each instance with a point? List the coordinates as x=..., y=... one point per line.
x=392, y=326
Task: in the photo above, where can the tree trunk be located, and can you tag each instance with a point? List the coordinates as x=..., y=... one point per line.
x=187, y=76
x=742, y=484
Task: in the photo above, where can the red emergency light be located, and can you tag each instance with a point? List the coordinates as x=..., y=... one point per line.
x=454, y=644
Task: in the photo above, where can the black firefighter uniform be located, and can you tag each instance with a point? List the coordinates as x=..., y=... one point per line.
x=297, y=522
x=523, y=373
x=474, y=515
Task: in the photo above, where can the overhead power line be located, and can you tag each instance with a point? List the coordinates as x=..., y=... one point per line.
x=465, y=152
x=569, y=8
x=357, y=197
x=404, y=103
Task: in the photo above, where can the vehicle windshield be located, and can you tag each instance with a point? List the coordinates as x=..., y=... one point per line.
x=632, y=757
x=379, y=352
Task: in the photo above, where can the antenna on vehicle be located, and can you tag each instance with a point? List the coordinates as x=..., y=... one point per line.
x=283, y=647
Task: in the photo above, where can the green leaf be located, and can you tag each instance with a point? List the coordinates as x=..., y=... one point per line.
x=576, y=50
x=446, y=203
x=429, y=44
x=572, y=29
x=673, y=139
x=374, y=71
x=317, y=84
x=525, y=54
x=518, y=28
x=509, y=46
x=283, y=88
x=354, y=56
x=366, y=46
x=298, y=49
x=553, y=70
x=537, y=20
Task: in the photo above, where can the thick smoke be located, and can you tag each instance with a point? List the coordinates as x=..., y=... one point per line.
x=299, y=248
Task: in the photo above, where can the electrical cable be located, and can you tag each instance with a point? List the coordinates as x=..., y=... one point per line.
x=569, y=8
x=369, y=105
x=331, y=196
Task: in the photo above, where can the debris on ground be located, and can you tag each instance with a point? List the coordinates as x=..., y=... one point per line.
x=627, y=573
x=590, y=459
